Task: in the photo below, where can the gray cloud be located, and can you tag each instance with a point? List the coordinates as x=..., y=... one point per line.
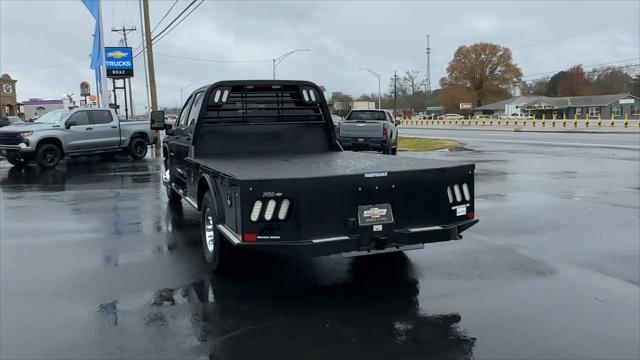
x=343, y=36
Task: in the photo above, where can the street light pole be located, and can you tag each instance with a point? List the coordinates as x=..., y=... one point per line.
x=278, y=60
x=379, y=92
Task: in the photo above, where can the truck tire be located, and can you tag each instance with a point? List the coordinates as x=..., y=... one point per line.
x=48, y=156
x=15, y=159
x=138, y=148
x=217, y=249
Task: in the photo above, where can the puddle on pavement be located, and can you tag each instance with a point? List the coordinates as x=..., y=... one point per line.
x=285, y=314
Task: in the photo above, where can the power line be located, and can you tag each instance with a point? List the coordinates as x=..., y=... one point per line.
x=165, y=15
x=589, y=30
x=166, y=29
x=159, y=37
x=586, y=66
x=174, y=20
x=211, y=60
x=52, y=66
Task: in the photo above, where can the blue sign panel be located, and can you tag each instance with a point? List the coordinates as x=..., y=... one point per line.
x=119, y=62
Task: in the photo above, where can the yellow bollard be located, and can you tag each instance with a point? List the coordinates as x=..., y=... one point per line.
x=564, y=116
x=586, y=120
x=613, y=120
x=553, y=123
x=599, y=120
x=515, y=123
x=626, y=120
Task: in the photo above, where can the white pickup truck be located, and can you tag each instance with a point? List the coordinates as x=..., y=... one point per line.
x=82, y=131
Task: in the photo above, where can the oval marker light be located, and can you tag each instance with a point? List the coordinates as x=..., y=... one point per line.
x=284, y=208
x=449, y=194
x=305, y=94
x=216, y=97
x=268, y=212
x=255, y=212
x=465, y=191
x=225, y=95
x=456, y=190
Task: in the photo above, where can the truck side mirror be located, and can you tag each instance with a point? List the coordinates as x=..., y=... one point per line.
x=70, y=123
x=157, y=120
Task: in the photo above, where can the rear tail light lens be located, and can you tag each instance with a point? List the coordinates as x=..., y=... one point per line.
x=271, y=207
x=465, y=191
x=255, y=212
x=384, y=130
x=450, y=194
x=284, y=209
x=456, y=191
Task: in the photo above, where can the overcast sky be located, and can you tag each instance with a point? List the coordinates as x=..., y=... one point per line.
x=545, y=36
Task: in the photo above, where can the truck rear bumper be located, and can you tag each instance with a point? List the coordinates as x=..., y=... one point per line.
x=363, y=143
x=356, y=245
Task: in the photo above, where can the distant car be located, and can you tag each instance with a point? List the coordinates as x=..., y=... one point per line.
x=452, y=117
x=10, y=120
x=369, y=130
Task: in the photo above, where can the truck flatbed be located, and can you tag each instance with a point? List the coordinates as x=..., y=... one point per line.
x=313, y=165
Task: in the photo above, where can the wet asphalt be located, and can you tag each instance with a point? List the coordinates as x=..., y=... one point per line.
x=95, y=264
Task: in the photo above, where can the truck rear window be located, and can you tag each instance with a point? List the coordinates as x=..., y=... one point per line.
x=367, y=115
x=261, y=104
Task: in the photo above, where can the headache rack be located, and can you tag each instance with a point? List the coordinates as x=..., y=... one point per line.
x=259, y=104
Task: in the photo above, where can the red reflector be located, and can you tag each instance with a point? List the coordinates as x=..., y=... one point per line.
x=471, y=214
x=250, y=237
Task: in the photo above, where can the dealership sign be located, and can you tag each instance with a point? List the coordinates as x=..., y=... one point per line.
x=466, y=106
x=119, y=62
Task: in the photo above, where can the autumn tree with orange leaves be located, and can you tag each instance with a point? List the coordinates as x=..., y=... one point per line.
x=480, y=74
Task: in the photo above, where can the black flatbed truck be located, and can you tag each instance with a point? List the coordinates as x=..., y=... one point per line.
x=260, y=161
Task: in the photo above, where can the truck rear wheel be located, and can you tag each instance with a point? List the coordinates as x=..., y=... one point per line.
x=217, y=249
x=172, y=195
x=138, y=148
x=48, y=156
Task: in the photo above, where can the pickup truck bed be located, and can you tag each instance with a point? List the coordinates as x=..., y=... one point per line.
x=328, y=164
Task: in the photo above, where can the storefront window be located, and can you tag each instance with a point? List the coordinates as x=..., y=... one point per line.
x=594, y=111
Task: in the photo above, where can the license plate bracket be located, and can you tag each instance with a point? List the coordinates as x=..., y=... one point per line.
x=375, y=214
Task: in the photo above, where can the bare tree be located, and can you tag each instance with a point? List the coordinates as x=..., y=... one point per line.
x=412, y=81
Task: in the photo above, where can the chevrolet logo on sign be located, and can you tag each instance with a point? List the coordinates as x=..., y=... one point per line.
x=117, y=54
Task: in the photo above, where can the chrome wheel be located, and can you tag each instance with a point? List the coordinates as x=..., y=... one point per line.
x=208, y=230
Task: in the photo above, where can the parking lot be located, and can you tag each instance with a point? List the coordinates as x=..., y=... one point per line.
x=95, y=264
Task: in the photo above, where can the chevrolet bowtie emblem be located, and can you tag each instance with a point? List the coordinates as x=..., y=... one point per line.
x=117, y=54
x=375, y=213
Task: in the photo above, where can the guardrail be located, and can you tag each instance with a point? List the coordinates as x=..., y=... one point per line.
x=524, y=122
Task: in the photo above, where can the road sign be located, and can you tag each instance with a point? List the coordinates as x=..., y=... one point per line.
x=93, y=98
x=119, y=62
x=466, y=106
x=85, y=89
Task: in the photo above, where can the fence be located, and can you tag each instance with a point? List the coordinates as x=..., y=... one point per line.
x=524, y=121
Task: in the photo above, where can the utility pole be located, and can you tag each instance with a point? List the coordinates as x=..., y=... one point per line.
x=152, y=74
x=427, y=85
x=124, y=32
x=144, y=57
x=395, y=93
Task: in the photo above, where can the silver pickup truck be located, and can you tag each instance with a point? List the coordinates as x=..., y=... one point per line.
x=368, y=130
x=82, y=131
